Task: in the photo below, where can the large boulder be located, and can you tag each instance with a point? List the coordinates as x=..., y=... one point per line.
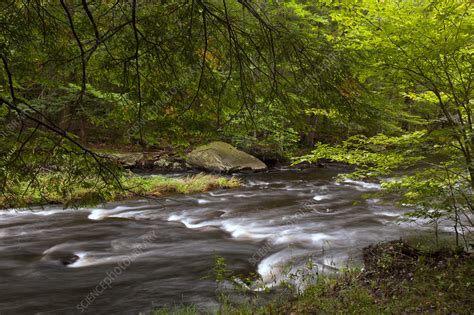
x=222, y=157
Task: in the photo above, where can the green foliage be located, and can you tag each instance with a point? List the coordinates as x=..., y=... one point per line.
x=418, y=52
x=195, y=70
x=220, y=271
x=84, y=73
x=74, y=190
x=375, y=156
x=40, y=169
x=439, y=192
x=158, y=185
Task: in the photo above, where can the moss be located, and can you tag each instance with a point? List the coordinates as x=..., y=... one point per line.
x=222, y=157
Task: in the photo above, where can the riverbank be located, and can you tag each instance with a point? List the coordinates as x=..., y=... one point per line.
x=53, y=188
x=163, y=159
x=115, y=175
x=397, y=278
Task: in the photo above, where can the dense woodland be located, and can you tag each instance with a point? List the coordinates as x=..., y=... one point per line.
x=377, y=84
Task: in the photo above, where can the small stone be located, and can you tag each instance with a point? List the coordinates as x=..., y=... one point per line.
x=161, y=163
x=69, y=260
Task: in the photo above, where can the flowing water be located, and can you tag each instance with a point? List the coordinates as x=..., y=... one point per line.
x=129, y=257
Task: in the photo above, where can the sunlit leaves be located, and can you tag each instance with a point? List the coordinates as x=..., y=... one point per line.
x=374, y=156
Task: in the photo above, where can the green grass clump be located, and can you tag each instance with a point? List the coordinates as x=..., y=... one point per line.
x=57, y=188
x=160, y=185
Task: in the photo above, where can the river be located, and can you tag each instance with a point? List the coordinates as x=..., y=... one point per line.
x=130, y=257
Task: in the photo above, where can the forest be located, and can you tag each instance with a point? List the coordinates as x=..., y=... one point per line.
x=278, y=135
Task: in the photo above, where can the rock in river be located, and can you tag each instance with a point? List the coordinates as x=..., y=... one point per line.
x=131, y=159
x=222, y=157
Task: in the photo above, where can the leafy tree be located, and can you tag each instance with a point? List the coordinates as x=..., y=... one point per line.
x=78, y=73
x=414, y=60
x=420, y=52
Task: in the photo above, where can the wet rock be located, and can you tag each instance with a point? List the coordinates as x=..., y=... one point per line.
x=162, y=163
x=126, y=159
x=64, y=258
x=69, y=260
x=223, y=157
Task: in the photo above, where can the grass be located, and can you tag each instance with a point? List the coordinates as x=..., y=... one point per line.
x=398, y=279
x=56, y=188
x=160, y=185
x=178, y=310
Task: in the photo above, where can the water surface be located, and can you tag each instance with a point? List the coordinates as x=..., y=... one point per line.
x=160, y=253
